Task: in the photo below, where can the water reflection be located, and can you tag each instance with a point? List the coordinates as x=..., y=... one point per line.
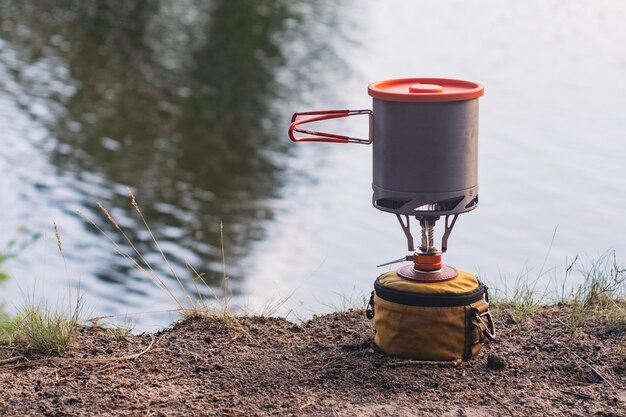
x=178, y=100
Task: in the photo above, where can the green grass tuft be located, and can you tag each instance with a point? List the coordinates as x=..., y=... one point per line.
x=7, y=328
x=600, y=292
x=519, y=301
x=42, y=328
x=118, y=332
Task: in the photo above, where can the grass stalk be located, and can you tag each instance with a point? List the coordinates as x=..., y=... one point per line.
x=191, y=307
x=156, y=243
x=155, y=279
x=225, y=287
x=67, y=272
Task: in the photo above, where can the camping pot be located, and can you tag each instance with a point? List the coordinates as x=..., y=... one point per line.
x=425, y=137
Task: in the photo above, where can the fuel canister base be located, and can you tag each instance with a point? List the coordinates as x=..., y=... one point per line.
x=445, y=273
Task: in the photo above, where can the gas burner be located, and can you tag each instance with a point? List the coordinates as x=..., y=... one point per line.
x=442, y=274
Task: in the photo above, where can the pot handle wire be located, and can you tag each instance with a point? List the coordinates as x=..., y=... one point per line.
x=319, y=115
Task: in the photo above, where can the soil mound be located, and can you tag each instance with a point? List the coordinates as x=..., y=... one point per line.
x=328, y=366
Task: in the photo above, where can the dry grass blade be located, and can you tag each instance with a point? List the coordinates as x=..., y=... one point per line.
x=595, y=371
x=415, y=362
x=58, y=236
x=96, y=319
x=226, y=289
x=156, y=243
x=132, y=245
x=577, y=394
x=496, y=399
x=48, y=361
x=188, y=307
x=12, y=360
x=121, y=358
x=156, y=279
x=67, y=272
x=195, y=276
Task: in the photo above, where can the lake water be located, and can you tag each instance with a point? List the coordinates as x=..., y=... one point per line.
x=187, y=104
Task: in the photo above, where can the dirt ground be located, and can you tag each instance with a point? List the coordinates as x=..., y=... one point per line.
x=328, y=366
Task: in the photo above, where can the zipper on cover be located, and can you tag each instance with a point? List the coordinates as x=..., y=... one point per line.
x=429, y=300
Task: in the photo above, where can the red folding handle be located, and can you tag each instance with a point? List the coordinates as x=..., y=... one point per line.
x=319, y=115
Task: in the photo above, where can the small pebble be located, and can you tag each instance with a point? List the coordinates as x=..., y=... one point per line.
x=495, y=362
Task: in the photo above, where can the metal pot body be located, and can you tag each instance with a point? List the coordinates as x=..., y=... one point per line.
x=425, y=157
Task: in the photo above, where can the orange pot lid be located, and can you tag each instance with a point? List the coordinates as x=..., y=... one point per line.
x=425, y=90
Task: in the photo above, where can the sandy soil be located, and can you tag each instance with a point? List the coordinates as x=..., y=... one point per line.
x=328, y=366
